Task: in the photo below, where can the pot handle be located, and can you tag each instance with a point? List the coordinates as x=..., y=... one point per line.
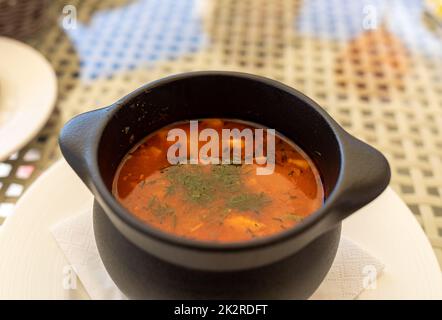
x=366, y=175
x=79, y=140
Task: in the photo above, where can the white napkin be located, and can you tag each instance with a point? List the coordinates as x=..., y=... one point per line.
x=353, y=270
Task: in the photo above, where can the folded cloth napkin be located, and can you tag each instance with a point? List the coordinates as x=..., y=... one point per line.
x=352, y=271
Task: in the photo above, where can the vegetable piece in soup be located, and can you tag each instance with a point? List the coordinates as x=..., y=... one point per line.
x=225, y=202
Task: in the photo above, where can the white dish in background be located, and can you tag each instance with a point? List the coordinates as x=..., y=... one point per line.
x=32, y=265
x=28, y=90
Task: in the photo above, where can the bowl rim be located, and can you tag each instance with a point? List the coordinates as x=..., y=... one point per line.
x=107, y=200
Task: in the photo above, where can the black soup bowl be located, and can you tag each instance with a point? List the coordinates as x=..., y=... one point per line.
x=145, y=262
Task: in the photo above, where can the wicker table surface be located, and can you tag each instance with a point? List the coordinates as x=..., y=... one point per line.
x=375, y=65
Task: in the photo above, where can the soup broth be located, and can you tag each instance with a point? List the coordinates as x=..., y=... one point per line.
x=217, y=202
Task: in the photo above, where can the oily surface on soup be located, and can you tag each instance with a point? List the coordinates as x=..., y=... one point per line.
x=217, y=202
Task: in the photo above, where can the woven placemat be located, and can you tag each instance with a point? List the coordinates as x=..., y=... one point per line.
x=376, y=66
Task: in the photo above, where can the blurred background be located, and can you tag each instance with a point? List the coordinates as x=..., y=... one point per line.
x=375, y=65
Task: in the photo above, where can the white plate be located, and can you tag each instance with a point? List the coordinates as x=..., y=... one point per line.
x=28, y=89
x=32, y=265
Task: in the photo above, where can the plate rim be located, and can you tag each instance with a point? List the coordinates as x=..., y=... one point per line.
x=38, y=122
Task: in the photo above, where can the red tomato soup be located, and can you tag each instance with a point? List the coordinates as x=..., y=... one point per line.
x=217, y=202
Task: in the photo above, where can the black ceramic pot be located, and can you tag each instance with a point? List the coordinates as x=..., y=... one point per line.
x=146, y=263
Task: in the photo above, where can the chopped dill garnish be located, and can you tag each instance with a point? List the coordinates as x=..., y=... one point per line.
x=249, y=201
x=143, y=183
x=170, y=189
x=163, y=210
x=227, y=176
x=195, y=182
x=201, y=185
x=160, y=210
x=293, y=217
x=151, y=202
x=204, y=184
